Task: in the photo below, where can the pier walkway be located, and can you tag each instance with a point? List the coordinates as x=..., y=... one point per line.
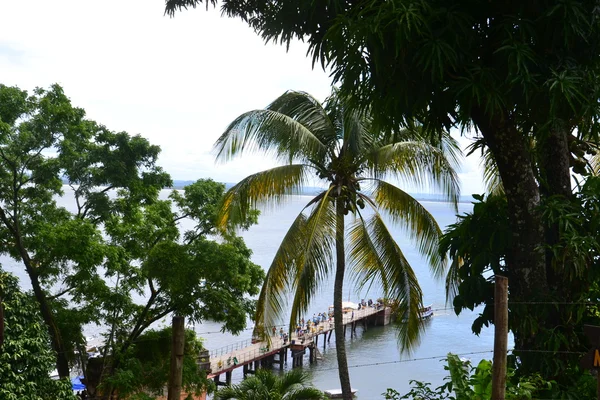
x=251, y=356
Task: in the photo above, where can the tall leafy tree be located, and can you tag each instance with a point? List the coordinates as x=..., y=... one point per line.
x=340, y=147
x=118, y=257
x=168, y=255
x=510, y=70
x=43, y=140
x=26, y=359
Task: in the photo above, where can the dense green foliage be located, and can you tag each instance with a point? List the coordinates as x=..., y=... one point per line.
x=475, y=383
x=343, y=149
x=26, y=359
x=44, y=139
x=265, y=385
x=479, y=244
x=122, y=256
x=146, y=370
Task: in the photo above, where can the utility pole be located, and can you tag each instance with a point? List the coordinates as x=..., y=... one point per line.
x=176, y=373
x=500, y=337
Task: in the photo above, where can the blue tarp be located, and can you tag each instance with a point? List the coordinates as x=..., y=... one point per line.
x=76, y=382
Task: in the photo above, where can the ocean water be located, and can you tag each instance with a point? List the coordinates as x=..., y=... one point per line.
x=373, y=355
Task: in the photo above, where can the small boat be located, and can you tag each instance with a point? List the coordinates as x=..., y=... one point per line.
x=426, y=312
x=347, y=306
x=337, y=393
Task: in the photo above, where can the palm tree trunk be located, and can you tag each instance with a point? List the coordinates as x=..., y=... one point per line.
x=340, y=344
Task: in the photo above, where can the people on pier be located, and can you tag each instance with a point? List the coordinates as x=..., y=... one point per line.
x=274, y=331
x=281, y=333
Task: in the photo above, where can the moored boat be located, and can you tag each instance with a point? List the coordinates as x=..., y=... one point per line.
x=426, y=312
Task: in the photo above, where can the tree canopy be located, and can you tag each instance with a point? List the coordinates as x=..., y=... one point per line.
x=120, y=256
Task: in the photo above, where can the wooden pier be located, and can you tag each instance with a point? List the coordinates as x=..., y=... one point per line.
x=252, y=356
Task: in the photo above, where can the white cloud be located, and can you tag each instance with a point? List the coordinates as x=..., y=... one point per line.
x=176, y=81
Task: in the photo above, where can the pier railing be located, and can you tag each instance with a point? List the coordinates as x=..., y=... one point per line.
x=242, y=352
x=230, y=348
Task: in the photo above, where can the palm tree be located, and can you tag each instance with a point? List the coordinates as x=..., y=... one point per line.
x=340, y=147
x=265, y=385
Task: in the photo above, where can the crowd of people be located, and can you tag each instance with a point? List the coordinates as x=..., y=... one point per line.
x=312, y=325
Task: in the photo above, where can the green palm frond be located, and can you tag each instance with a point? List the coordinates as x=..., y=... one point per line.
x=443, y=141
x=453, y=279
x=263, y=188
x=292, y=379
x=415, y=163
x=356, y=135
x=451, y=150
x=595, y=163
x=419, y=224
x=300, y=264
x=304, y=393
x=265, y=385
x=273, y=295
x=364, y=256
x=316, y=261
x=491, y=177
x=271, y=132
x=307, y=111
x=375, y=256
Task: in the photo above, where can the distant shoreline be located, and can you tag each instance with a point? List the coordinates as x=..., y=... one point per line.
x=312, y=191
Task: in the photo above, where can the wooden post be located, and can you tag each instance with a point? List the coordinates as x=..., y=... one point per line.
x=176, y=372
x=2, y=323
x=500, y=337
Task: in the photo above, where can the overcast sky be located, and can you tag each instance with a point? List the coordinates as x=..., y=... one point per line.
x=176, y=81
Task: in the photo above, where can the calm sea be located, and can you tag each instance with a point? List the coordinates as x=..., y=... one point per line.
x=374, y=358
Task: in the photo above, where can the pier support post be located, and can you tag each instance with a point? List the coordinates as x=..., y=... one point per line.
x=329, y=337
x=228, y=378
x=245, y=369
x=281, y=358
x=311, y=356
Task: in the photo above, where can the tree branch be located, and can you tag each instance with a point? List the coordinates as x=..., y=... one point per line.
x=57, y=295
